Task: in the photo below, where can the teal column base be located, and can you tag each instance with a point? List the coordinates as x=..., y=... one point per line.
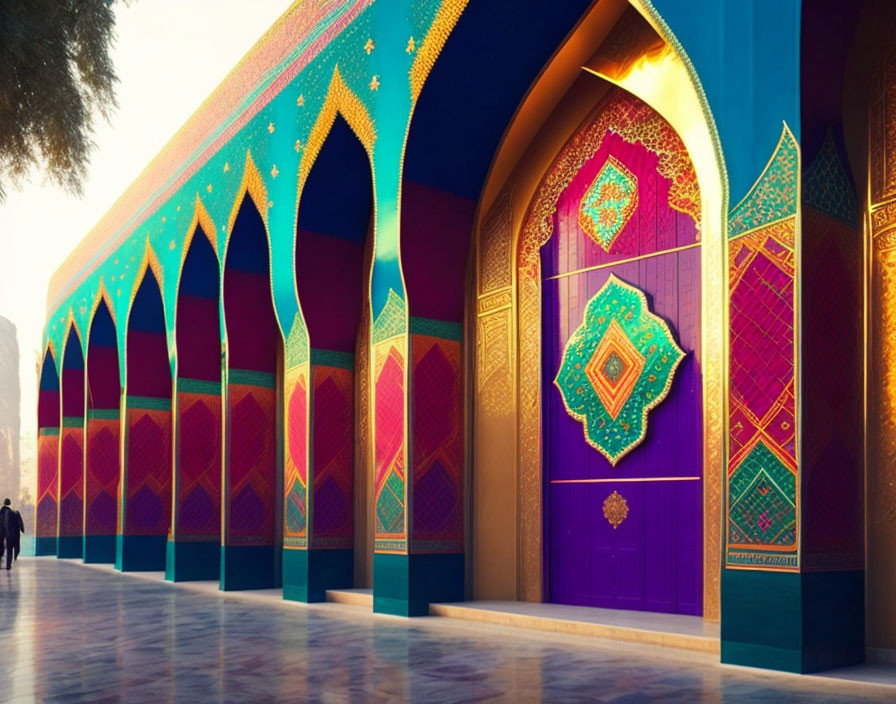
x=99, y=548
x=247, y=567
x=795, y=622
x=307, y=574
x=44, y=546
x=405, y=585
x=140, y=553
x=70, y=546
x=191, y=561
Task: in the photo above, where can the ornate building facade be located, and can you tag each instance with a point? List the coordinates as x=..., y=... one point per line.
x=573, y=302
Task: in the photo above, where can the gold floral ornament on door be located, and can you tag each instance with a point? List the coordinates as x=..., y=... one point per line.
x=615, y=509
x=617, y=366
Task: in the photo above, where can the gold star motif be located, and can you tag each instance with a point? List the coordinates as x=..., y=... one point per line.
x=178, y=208
x=411, y=47
x=271, y=127
x=113, y=277
x=226, y=167
x=270, y=204
x=300, y=101
x=369, y=46
x=374, y=82
x=118, y=293
x=274, y=171
x=164, y=219
x=298, y=145
x=171, y=245
x=209, y=188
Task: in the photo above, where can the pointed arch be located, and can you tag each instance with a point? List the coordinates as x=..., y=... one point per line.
x=340, y=100
x=253, y=355
x=71, y=325
x=144, y=513
x=48, y=422
x=102, y=296
x=326, y=490
x=252, y=184
x=102, y=456
x=71, y=444
x=148, y=263
x=195, y=539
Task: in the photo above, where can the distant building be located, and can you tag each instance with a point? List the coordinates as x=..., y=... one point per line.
x=10, y=396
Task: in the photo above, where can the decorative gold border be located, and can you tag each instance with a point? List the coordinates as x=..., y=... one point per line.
x=201, y=219
x=428, y=50
x=792, y=220
x=340, y=99
x=70, y=324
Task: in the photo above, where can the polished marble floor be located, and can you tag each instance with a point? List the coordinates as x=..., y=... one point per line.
x=71, y=633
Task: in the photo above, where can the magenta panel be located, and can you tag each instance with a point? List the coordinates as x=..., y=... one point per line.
x=149, y=373
x=198, y=338
x=435, y=234
x=330, y=280
x=252, y=331
x=104, y=387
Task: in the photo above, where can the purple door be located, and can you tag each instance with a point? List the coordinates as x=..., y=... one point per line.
x=622, y=406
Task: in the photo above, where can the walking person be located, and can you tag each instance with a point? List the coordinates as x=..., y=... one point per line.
x=11, y=527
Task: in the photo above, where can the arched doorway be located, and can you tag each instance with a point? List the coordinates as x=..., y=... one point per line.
x=626, y=46
x=333, y=244
x=251, y=532
x=145, y=511
x=620, y=320
x=48, y=409
x=102, y=461
x=71, y=449
x=194, y=547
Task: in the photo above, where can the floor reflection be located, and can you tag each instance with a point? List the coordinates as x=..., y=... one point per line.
x=75, y=634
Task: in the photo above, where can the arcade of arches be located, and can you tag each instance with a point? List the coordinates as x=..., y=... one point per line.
x=518, y=305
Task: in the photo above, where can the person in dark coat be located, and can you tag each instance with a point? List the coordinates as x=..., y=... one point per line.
x=11, y=527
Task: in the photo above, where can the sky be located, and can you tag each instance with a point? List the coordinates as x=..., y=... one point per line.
x=169, y=55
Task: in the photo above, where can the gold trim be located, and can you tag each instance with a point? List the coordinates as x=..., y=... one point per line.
x=430, y=47
x=625, y=479
x=339, y=100
x=607, y=265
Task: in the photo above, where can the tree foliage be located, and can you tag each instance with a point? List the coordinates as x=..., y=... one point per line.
x=56, y=75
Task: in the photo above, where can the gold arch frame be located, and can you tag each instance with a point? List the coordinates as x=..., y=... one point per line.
x=70, y=324
x=507, y=297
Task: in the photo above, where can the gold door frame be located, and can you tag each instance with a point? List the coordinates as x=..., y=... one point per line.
x=507, y=300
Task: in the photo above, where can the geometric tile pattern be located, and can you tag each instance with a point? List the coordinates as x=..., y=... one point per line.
x=389, y=473
x=762, y=509
x=762, y=476
x=47, y=484
x=71, y=485
x=102, y=475
x=296, y=457
x=199, y=489
x=774, y=196
x=437, y=445
x=148, y=510
x=609, y=203
x=827, y=184
x=252, y=468
x=617, y=366
x=332, y=500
